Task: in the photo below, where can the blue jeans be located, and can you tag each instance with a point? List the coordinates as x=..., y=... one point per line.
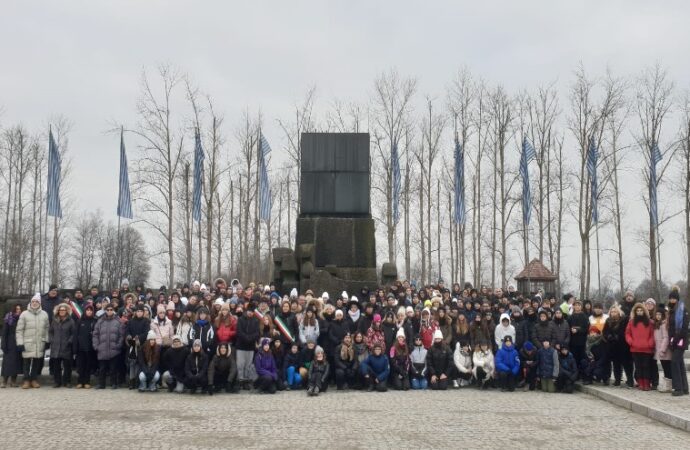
x=419, y=383
x=293, y=377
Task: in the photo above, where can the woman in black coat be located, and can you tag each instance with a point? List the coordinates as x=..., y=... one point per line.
x=678, y=322
x=12, y=359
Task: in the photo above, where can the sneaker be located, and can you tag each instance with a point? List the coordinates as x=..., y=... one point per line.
x=455, y=384
x=87, y=386
x=26, y=385
x=35, y=385
x=79, y=386
x=315, y=391
x=617, y=383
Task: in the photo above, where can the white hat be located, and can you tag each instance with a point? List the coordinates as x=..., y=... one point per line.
x=338, y=312
x=125, y=281
x=196, y=283
x=36, y=296
x=293, y=293
x=151, y=335
x=438, y=334
x=325, y=296
x=344, y=295
x=203, y=287
x=401, y=333
x=409, y=309
x=219, y=301
x=354, y=299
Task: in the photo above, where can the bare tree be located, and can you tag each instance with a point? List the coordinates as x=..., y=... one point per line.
x=161, y=158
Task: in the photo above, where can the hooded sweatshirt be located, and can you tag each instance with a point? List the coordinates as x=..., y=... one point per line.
x=502, y=331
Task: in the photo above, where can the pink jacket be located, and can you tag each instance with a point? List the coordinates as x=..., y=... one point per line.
x=661, y=352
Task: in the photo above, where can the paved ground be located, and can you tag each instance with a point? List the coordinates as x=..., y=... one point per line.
x=61, y=418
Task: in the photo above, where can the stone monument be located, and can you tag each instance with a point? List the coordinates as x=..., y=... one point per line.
x=335, y=247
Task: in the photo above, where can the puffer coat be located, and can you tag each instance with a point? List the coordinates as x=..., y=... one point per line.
x=32, y=332
x=62, y=337
x=108, y=337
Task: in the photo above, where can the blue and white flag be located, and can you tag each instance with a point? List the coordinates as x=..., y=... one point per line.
x=459, y=183
x=198, y=177
x=655, y=159
x=54, y=175
x=124, y=198
x=264, y=186
x=592, y=158
x=395, y=162
x=528, y=154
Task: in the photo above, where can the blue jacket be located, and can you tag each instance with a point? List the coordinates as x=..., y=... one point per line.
x=507, y=360
x=547, y=363
x=378, y=365
x=568, y=366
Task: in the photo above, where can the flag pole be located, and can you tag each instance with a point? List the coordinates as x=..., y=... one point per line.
x=596, y=230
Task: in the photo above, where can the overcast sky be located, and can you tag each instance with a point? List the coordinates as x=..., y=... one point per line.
x=83, y=59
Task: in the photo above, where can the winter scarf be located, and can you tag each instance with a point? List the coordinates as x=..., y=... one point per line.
x=10, y=319
x=354, y=315
x=591, y=342
x=201, y=323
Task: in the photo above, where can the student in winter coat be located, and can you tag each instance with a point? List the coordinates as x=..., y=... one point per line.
x=87, y=361
x=185, y=325
x=163, y=327
x=309, y=327
x=32, y=337
x=225, y=326
x=503, y=329
x=353, y=315
x=507, y=363
x=318, y=373
x=661, y=348
x=579, y=326
x=12, y=359
x=136, y=331
x=418, y=370
x=639, y=335
x=400, y=362
x=108, y=337
x=222, y=371
x=196, y=368
x=527, y=325
x=593, y=368
x=245, y=343
x=439, y=362
x=375, y=369
x=617, y=348
x=286, y=323
x=567, y=371
x=174, y=361
x=462, y=358
x=266, y=371
x=561, y=330
x=528, y=365
x=202, y=330
x=678, y=320
x=547, y=366
x=346, y=364
x=461, y=331
x=544, y=329
x=483, y=362
x=148, y=363
x=61, y=337
x=336, y=332
x=375, y=334
x=291, y=365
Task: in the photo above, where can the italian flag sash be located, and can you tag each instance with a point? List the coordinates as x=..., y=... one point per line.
x=284, y=329
x=76, y=310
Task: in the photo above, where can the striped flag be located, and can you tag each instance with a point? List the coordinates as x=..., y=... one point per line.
x=459, y=183
x=54, y=174
x=655, y=159
x=528, y=154
x=124, y=199
x=395, y=161
x=264, y=187
x=592, y=158
x=198, y=173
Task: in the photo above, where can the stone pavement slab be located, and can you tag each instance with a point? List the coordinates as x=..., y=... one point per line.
x=465, y=418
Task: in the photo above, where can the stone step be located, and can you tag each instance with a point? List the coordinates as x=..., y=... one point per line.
x=659, y=406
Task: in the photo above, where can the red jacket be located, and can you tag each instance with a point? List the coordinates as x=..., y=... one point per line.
x=640, y=337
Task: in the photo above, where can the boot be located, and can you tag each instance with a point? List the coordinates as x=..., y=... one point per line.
x=647, y=384
x=87, y=386
x=13, y=382
x=26, y=385
x=35, y=385
x=179, y=388
x=132, y=384
x=142, y=386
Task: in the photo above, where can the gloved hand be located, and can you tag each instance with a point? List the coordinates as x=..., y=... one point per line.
x=21, y=348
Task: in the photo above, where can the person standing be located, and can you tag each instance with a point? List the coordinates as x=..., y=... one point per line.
x=61, y=336
x=12, y=359
x=639, y=335
x=32, y=337
x=678, y=336
x=108, y=337
x=83, y=348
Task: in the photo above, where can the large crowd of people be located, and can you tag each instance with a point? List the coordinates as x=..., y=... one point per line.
x=233, y=338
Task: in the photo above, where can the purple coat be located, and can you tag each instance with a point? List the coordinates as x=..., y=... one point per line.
x=265, y=365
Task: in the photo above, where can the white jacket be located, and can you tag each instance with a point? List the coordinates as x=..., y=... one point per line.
x=462, y=360
x=501, y=331
x=485, y=360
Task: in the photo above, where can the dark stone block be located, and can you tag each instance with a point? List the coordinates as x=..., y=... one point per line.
x=365, y=243
x=351, y=192
x=331, y=152
x=343, y=242
x=318, y=193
